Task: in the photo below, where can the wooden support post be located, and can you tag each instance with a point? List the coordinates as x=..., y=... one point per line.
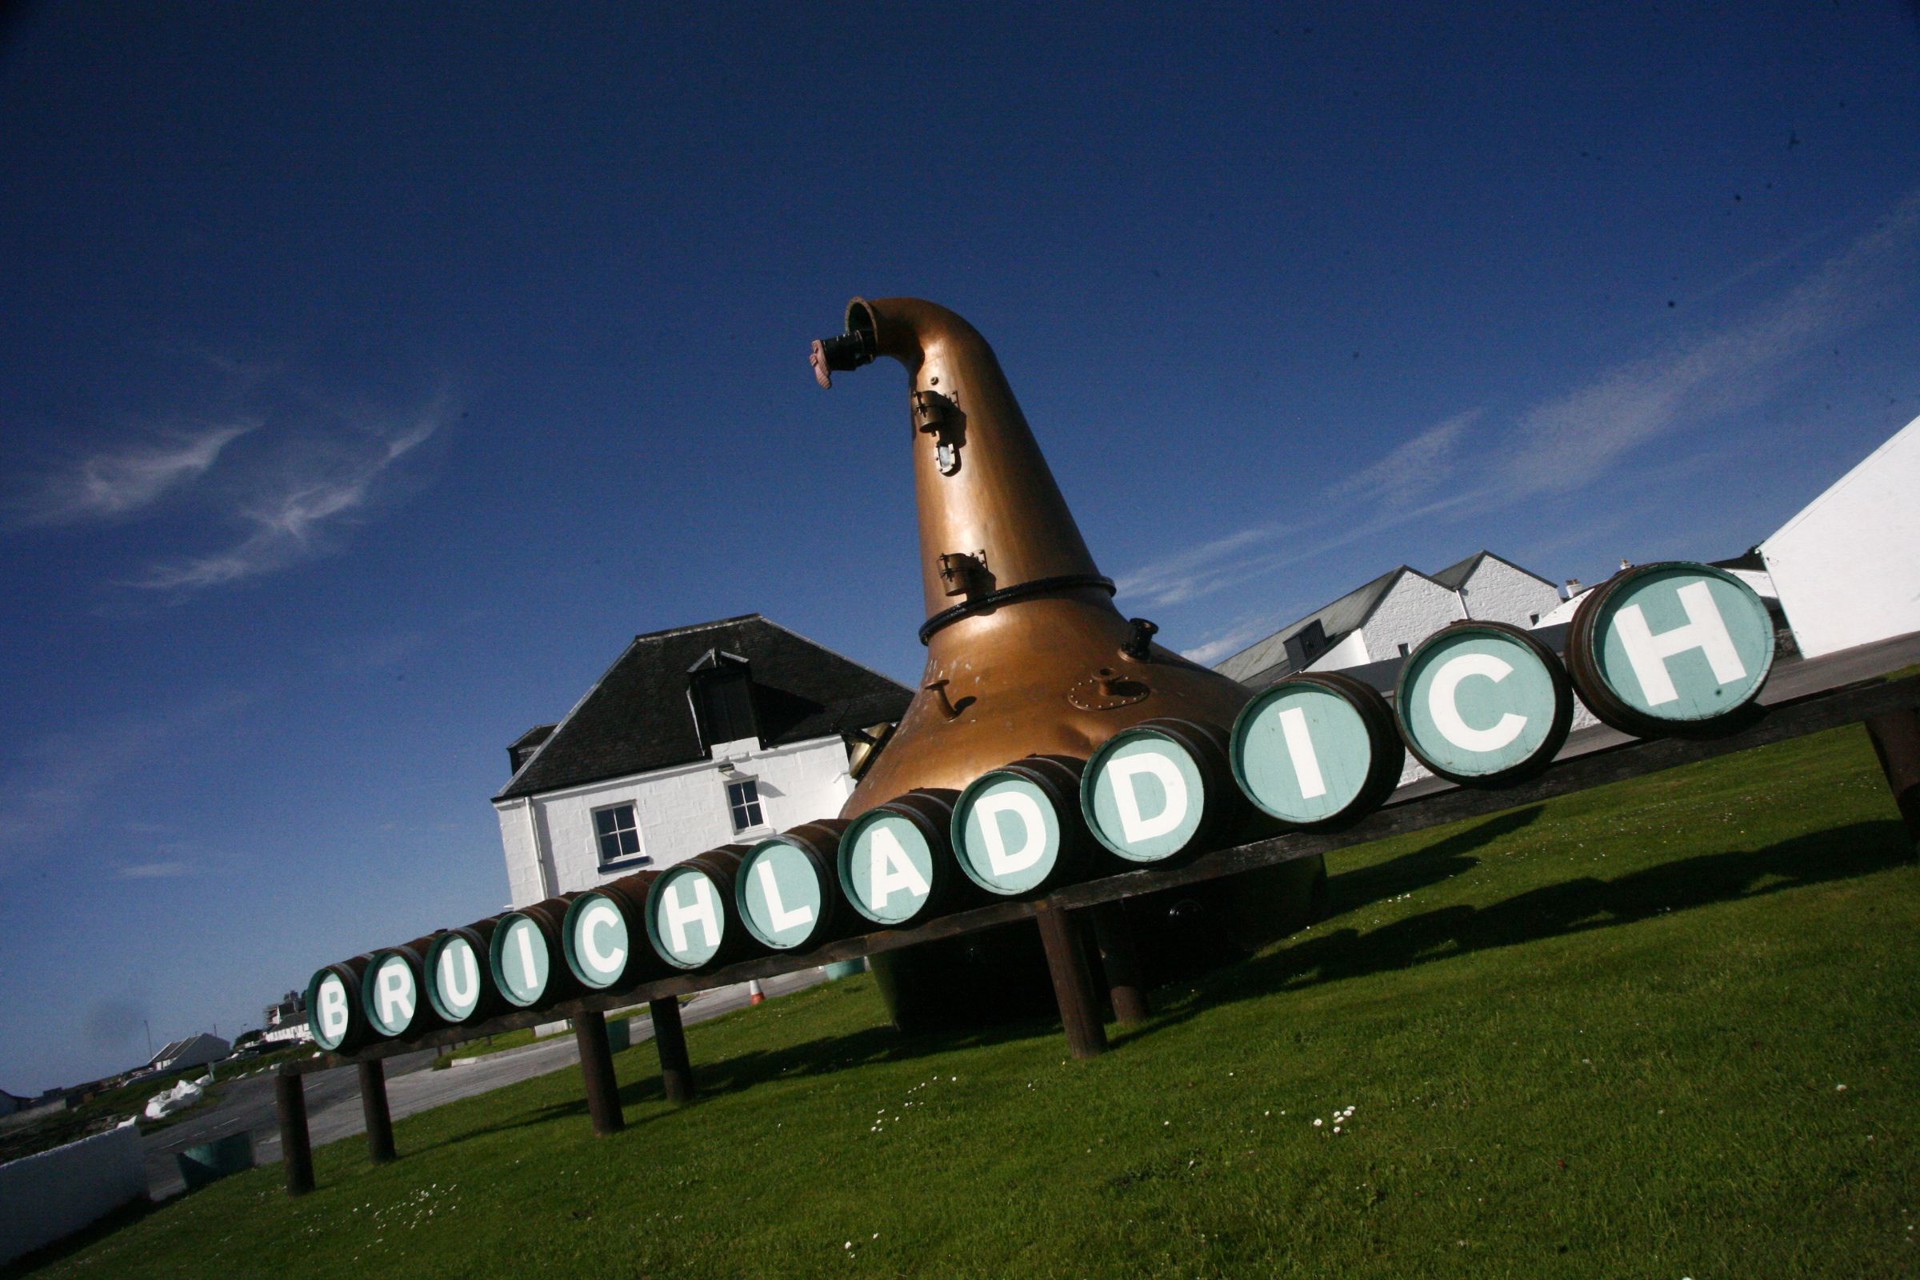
x=1113, y=934
x=296, y=1149
x=596, y=1068
x=670, y=1038
x=1896, y=740
x=1072, y=983
x=373, y=1105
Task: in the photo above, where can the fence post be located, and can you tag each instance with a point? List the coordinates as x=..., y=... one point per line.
x=1072, y=983
x=296, y=1149
x=1113, y=934
x=670, y=1038
x=596, y=1068
x=373, y=1105
x=1896, y=740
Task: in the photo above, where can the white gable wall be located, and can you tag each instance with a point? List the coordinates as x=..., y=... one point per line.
x=1411, y=610
x=680, y=811
x=1497, y=592
x=1848, y=567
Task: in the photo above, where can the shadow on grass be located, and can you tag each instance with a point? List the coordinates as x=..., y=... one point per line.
x=1572, y=906
x=1350, y=890
x=48, y=1254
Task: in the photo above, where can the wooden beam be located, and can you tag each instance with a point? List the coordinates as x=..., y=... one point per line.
x=1072, y=982
x=670, y=1039
x=373, y=1106
x=296, y=1147
x=1896, y=740
x=596, y=1070
x=1119, y=965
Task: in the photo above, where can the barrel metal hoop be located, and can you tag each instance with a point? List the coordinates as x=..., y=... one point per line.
x=1006, y=595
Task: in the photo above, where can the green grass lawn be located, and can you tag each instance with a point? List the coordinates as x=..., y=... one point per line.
x=1668, y=1028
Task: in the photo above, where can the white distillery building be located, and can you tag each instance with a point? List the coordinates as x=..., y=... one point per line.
x=1848, y=566
x=697, y=737
x=1386, y=618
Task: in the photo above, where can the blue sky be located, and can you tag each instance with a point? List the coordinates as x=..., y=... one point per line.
x=372, y=374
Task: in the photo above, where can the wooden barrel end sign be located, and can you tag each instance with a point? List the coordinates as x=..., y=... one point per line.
x=1483, y=704
x=895, y=861
x=525, y=951
x=393, y=991
x=687, y=908
x=334, y=1013
x=1317, y=749
x=601, y=929
x=1671, y=649
x=1159, y=790
x=1017, y=830
x=787, y=893
x=459, y=980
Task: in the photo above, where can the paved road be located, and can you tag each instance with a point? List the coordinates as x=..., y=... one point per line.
x=333, y=1097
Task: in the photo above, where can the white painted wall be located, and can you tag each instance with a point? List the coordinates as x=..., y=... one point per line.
x=1350, y=652
x=1848, y=566
x=1413, y=609
x=1497, y=592
x=53, y=1194
x=680, y=812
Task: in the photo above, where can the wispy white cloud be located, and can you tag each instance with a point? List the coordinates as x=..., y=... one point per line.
x=290, y=514
x=1417, y=467
x=1570, y=442
x=1226, y=643
x=123, y=480
x=153, y=870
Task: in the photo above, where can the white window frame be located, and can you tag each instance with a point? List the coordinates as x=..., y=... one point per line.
x=753, y=805
x=639, y=856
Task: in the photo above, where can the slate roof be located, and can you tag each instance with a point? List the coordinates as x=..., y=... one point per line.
x=1454, y=575
x=1337, y=619
x=638, y=716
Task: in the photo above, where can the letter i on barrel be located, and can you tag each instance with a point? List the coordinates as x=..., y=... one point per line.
x=1317, y=749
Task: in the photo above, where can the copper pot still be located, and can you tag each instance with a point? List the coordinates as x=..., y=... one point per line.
x=1026, y=654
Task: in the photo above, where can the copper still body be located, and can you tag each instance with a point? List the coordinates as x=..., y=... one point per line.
x=1026, y=654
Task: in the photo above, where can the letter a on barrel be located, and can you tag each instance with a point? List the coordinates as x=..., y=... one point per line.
x=1483, y=703
x=1671, y=649
x=896, y=862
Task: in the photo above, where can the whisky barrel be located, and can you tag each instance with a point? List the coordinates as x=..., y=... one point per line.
x=393, y=991
x=525, y=953
x=687, y=910
x=896, y=865
x=603, y=930
x=334, y=1014
x=1483, y=703
x=1161, y=790
x=1018, y=831
x=787, y=892
x=459, y=979
x=1317, y=749
x=1671, y=649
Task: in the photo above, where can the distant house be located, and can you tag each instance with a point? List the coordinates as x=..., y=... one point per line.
x=1387, y=617
x=193, y=1051
x=10, y=1104
x=287, y=1020
x=1846, y=567
x=694, y=738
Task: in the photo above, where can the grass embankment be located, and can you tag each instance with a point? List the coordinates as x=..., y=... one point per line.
x=1666, y=1029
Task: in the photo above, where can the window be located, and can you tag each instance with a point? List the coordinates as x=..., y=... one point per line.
x=618, y=835
x=743, y=799
x=1403, y=651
